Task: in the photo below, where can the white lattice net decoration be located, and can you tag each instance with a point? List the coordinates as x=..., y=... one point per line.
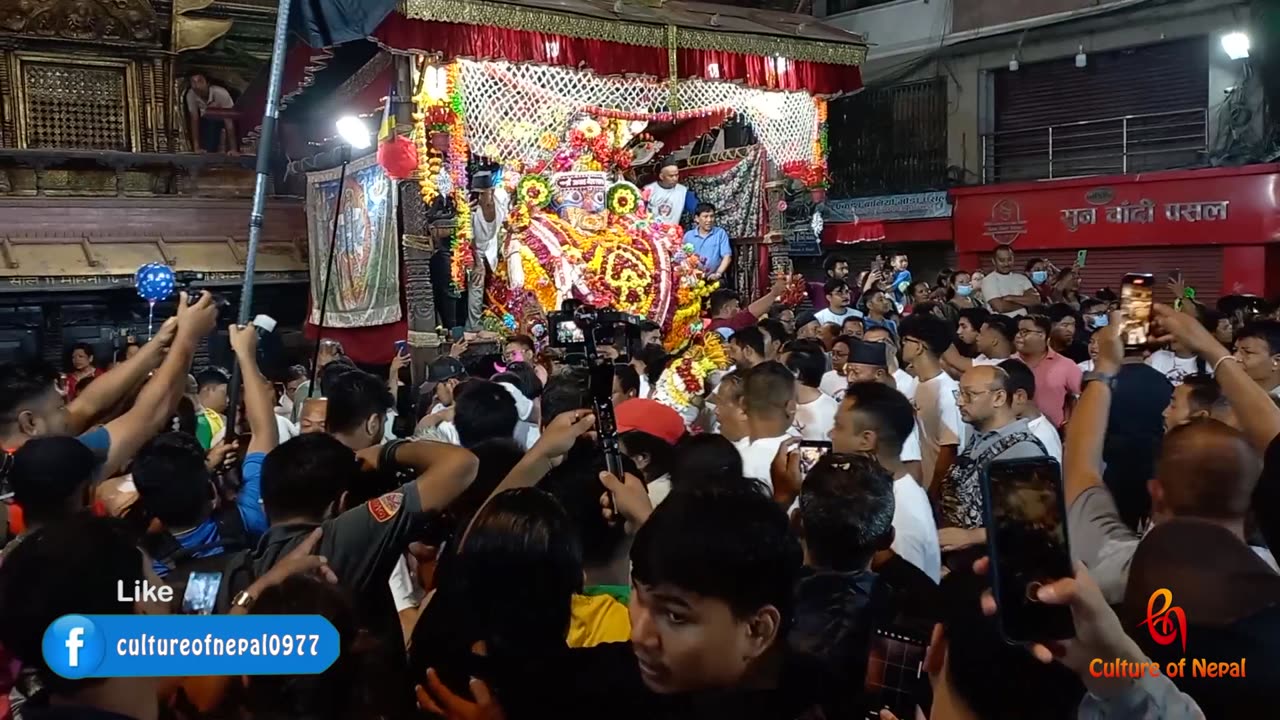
x=510, y=106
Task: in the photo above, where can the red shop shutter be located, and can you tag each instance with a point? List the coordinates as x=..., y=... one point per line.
x=1201, y=268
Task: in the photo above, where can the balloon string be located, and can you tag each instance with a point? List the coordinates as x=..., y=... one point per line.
x=151, y=314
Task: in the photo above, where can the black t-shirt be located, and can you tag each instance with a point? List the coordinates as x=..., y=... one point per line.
x=1135, y=430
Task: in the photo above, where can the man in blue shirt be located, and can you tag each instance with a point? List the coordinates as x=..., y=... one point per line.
x=710, y=242
x=176, y=488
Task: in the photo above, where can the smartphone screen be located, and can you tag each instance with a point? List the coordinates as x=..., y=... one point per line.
x=811, y=451
x=895, y=670
x=202, y=593
x=1135, y=307
x=1027, y=539
x=568, y=332
x=1081, y=257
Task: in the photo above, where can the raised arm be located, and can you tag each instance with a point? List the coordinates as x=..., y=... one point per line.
x=159, y=397
x=109, y=389
x=764, y=302
x=259, y=398
x=444, y=471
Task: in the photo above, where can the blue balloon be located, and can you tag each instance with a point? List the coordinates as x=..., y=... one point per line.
x=155, y=282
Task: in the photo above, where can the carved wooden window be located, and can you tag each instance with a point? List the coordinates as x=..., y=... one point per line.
x=73, y=103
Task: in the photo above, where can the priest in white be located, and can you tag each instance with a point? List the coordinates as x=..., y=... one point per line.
x=668, y=198
x=488, y=213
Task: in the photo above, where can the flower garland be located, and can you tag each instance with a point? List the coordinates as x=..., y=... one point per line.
x=818, y=177
x=686, y=378
x=463, y=251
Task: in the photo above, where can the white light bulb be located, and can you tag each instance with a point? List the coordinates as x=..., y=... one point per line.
x=353, y=132
x=1236, y=45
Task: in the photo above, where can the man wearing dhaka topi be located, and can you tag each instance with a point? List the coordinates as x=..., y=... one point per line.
x=668, y=198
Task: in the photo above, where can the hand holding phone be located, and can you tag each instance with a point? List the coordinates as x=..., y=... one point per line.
x=1135, y=309
x=1027, y=540
x=811, y=451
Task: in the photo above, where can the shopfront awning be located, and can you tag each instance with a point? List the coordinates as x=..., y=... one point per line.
x=68, y=264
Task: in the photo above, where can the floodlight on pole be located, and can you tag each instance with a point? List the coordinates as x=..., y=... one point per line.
x=1236, y=45
x=354, y=132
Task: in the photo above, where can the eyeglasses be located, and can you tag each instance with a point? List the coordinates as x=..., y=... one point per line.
x=1036, y=331
x=965, y=397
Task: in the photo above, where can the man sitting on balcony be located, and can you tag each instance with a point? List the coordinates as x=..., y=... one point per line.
x=208, y=114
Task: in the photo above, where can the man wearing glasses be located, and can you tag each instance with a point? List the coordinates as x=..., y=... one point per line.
x=1057, y=377
x=986, y=404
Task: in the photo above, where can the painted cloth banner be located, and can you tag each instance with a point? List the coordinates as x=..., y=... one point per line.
x=907, y=206
x=365, y=287
x=737, y=193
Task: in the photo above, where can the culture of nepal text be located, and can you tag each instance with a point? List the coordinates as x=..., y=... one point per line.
x=265, y=645
x=1200, y=668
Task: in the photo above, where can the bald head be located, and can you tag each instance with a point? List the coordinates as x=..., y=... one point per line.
x=1207, y=469
x=984, y=398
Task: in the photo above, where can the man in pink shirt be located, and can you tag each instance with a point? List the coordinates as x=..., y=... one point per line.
x=1057, y=377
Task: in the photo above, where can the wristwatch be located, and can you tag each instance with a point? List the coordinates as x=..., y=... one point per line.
x=1108, y=379
x=242, y=599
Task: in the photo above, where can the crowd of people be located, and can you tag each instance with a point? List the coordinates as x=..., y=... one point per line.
x=479, y=561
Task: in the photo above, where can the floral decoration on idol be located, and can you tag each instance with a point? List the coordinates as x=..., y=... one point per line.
x=623, y=199
x=534, y=190
x=463, y=250
x=685, y=381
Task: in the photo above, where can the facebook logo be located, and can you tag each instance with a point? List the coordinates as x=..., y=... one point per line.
x=73, y=646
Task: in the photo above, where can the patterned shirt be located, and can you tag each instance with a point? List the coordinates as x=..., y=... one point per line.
x=962, y=488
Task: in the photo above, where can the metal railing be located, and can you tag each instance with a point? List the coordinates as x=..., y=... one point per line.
x=1112, y=146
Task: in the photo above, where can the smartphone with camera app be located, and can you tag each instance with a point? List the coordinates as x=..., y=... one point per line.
x=1027, y=541
x=895, y=673
x=1135, y=308
x=811, y=451
x=201, y=595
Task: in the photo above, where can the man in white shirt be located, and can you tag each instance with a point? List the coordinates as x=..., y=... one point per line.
x=869, y=362
x=942, y=431
x=668, y=199
x=206, y=132
x=837, y=310
x=488, y=214
x=1006, y=291
x=875, y=418
x=769, y=397
x=815, y=410
x=1022, y=392
x=994, y=345
x=1177, y=362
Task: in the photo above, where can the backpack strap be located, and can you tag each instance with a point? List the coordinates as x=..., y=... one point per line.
x=1000, y=446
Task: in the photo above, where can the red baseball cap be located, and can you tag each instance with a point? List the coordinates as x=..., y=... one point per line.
x=650, y=416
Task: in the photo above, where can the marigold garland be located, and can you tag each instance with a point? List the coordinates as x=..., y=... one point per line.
x=534, y=190
x=622, y=199
x=463, y=251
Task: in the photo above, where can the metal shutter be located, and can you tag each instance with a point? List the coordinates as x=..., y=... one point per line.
x=1105, y=267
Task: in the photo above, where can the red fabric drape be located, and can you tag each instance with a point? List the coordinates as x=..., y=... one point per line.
x=454, y=40
x=686, y=132
x=301, y=61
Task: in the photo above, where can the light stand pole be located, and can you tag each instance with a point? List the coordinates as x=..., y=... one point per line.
x=266, y=141
x=328, y=270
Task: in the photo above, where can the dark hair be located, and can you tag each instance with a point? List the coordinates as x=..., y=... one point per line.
x=497, y=457
x=330, y=373
x=1005, y=326
x=750, y=338
x=834, y=285
x=522, y=539
x=719, y=299
x=628, y=379
x=1087, y=303
x=705, y=462
x=655, y=358
x=575, y=482
x=296, y=372
x=1199, y=478
x=86, y=347
x=932, y=331
x=846, y=507
x=1205, y=394
x=1061, y=311
x=777, y=331
x=354, y=398
x=524, y=340
x=302, y=476
x=735, y=546
x=886, y=409
x=1040, y=321
x=211, y=377
x=976, y=652
x=649, y=326
x=483, y=410
x=50, y=477
x=804, y=344
x=1002, y=247
x=704, y=207
x=975, y=315
x=66, y=568
x=831, y=261
x=846, y=340
x=911, y=289
x=567, y=391
x=768, y=387
x=352, y=687
x=807, y=366
x=657, y=450
x=1032, y=262
x=172, y=480
x=852, y=319
x=1267, y=331
x=1020, y=377
x=804, y=318
x=524, y=377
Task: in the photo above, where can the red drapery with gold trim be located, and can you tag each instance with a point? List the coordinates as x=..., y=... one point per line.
x=454, y=40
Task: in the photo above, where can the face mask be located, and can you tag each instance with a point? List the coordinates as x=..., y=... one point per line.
x=1099, y=321
x=964, y=290
x=1039, y=276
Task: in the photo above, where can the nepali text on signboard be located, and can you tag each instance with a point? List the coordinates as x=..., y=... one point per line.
x=910, y=206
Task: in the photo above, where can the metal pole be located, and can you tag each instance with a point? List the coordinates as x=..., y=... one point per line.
x=328, y=271
x=266, y=140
